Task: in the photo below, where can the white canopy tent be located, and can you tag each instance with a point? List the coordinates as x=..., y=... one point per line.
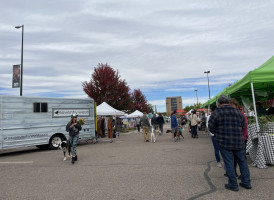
x=136, y=113
x=104, y=109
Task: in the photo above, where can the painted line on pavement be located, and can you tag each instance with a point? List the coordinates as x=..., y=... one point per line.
x=30, y=162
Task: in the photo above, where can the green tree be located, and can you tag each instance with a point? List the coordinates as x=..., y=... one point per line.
x=195, y=107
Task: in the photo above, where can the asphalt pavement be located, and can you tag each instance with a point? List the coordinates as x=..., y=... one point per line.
x=126, y=169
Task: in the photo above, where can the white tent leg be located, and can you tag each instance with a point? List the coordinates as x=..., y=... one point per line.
x=254, y=104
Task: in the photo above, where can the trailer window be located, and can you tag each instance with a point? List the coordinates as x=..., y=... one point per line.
x=44, y=107
x=40, y=107
x=36, y=107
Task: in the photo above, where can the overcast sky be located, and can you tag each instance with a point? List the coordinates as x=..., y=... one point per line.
x=161, y=47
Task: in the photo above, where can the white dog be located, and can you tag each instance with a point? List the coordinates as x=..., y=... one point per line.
x=152, y=135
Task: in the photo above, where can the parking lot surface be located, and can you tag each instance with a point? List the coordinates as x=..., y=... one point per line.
x=127, y=168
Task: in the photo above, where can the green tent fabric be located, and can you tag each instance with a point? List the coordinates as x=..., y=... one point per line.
x=212, y=101
x=263, y=82
x=262, y=79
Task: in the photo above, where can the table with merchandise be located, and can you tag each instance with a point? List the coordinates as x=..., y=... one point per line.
x=260, y=146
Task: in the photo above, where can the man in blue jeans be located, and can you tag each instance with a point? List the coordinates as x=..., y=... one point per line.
x=174, y=126
x=226, y=123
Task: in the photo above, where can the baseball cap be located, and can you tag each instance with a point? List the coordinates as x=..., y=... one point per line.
x=74, y=115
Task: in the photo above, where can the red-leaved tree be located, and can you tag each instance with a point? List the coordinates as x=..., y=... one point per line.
x=105, y=85
x=139, y=101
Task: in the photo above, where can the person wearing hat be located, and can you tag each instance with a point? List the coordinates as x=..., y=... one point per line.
x=73, y=128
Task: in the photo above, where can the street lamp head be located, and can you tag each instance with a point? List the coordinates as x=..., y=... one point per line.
x=18, y=26
x=206, y=72
x=195, y=90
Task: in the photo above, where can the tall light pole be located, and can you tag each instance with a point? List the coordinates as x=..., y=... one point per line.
x=21, y=71
x=207, y=72
x=196, y=96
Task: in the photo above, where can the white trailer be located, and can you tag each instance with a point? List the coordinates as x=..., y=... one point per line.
x=41, y=122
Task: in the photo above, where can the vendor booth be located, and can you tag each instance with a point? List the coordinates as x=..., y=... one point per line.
x=257, y=85
x=106, y=110
x=135, y=114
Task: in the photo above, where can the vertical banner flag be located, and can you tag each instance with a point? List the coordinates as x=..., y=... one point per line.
x=16, y=76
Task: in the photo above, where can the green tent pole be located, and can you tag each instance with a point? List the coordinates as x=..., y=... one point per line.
x=254, y=104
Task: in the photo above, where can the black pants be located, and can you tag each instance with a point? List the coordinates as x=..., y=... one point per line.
x=194, y=131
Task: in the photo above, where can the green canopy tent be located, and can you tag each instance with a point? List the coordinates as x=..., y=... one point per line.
x=259, y=83
x=213, y=101
x=262, y=79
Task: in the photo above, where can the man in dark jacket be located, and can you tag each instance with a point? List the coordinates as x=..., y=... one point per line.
x=226, y=123
x=154, y=122
x=160, y=122
x=73, y=128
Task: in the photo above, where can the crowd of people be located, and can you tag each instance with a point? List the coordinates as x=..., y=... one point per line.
x=151, y=124
x=113, y=126
x=227, y=126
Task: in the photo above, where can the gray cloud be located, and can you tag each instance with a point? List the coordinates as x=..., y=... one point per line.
x=150, y=42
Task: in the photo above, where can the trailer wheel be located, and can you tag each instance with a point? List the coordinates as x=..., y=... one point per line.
x=54, y=141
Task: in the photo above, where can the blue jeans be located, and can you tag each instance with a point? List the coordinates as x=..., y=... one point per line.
x=216, y=149
x=138, y=127
x=228, y=157
x=73, y=142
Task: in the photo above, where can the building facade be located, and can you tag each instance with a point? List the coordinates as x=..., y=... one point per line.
x=173, y=103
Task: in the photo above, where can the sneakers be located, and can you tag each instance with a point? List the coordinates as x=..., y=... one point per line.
x=230, y=188
x=219, y=165
x=245, y=186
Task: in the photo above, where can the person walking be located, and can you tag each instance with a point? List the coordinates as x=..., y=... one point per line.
x=73, y=127
x=193, y=124
x=160, y=122
x=138, y=124
x=118, y=125
x=174, y=126
x=203, y=122
x=215, y=145
x=144, y=122
x=154, y=122
x=226, y=123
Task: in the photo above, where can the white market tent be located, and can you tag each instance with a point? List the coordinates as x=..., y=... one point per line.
x=104, y=109
x=136, y=113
